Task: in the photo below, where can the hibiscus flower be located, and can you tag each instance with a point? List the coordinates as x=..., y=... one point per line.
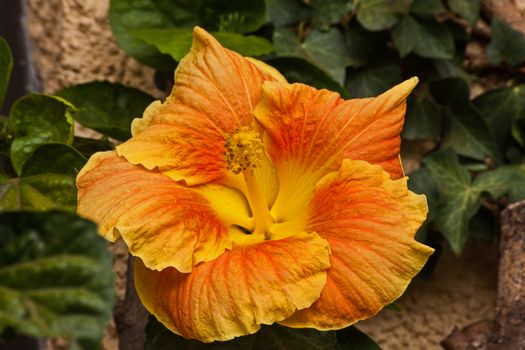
x=247, y=200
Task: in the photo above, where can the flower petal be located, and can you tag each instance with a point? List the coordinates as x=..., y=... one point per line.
x=369, y=221
x=240, y=290
x=310, y=131
x=215, y=92
x=162, y=222
x=318, y=129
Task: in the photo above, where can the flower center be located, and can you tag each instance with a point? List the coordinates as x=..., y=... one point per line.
x=244, y=151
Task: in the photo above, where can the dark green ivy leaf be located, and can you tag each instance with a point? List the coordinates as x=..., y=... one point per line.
x=286, y=12
x=459, y=200
x=324, y=49
x=426, y=8
x=373, y=80
x=176, y=42
x=468, y=133
x=106, y=107
x=37, y=120
x=500, y=108
x=54, y=158
x=423, y=120
x=507, y=44
x=297, y=70
x=6, y=65
x=55, y=277
x=501, y=181
x=468, y=9
x=326, y=12
x=381, y=14
x=424, y=37
x=87, y=147
x=364, y=47
x=518, y=131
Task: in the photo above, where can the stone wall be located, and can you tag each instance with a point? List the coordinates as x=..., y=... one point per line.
x=73, y=43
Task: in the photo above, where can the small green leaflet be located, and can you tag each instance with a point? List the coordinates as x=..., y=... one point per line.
x=459, y=196
x=377, y=15
x=507, y=44
x=500, y=108
x=423, y=120
x=373, y=80
x=425, y=38
x=326, y=50
x=108, y=108
x=37, y=120
x=458, y=199
x=468, y=9
x=297, y=70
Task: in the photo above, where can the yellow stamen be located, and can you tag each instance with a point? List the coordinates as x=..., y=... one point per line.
x=244, y=150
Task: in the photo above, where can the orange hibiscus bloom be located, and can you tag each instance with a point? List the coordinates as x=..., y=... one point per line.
x=249, y=201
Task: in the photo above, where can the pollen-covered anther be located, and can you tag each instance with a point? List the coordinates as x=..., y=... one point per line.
x=243, y=150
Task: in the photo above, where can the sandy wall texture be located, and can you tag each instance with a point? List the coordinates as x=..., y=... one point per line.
x=73, y=43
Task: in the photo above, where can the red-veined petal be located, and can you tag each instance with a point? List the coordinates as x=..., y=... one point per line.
x=369, y=221
x=162, y=222
x=240, y=290
x=310, y=131
x=215, y=92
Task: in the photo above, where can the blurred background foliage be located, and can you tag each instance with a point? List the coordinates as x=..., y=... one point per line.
x=466, y=120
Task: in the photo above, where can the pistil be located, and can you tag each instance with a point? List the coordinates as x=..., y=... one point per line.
x=243, y=151
x=261, y=214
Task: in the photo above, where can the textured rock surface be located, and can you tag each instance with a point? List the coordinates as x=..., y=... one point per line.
x=73, y=44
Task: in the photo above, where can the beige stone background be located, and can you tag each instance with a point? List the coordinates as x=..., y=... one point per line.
x=73, y=43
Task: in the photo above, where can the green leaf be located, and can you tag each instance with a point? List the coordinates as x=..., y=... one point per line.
x=373, y=80
x=326, y=12
x=6, y=65
x=381, y=14
x=425, y=38
x=423, y=120
x=365, y=47
x=421, y=182
x=500, y=181
x=469, y=136
x=268, y=338
x=450, y=91
x=219, y=15
x=37, y=120
x=451, y=68
x=500, y=108
x=297, y=70
x=507, y=44
x=426, y=8
x=55, y=277
x=15, y=195
x=286, y=12
x=468, y=9
x=468, y=133
x=54, y=158
x=459, y=200
x=324, y=49
x=106, y=107
x=87, y=147
x=351, y=338
x=176, y=42
x=37, y=192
